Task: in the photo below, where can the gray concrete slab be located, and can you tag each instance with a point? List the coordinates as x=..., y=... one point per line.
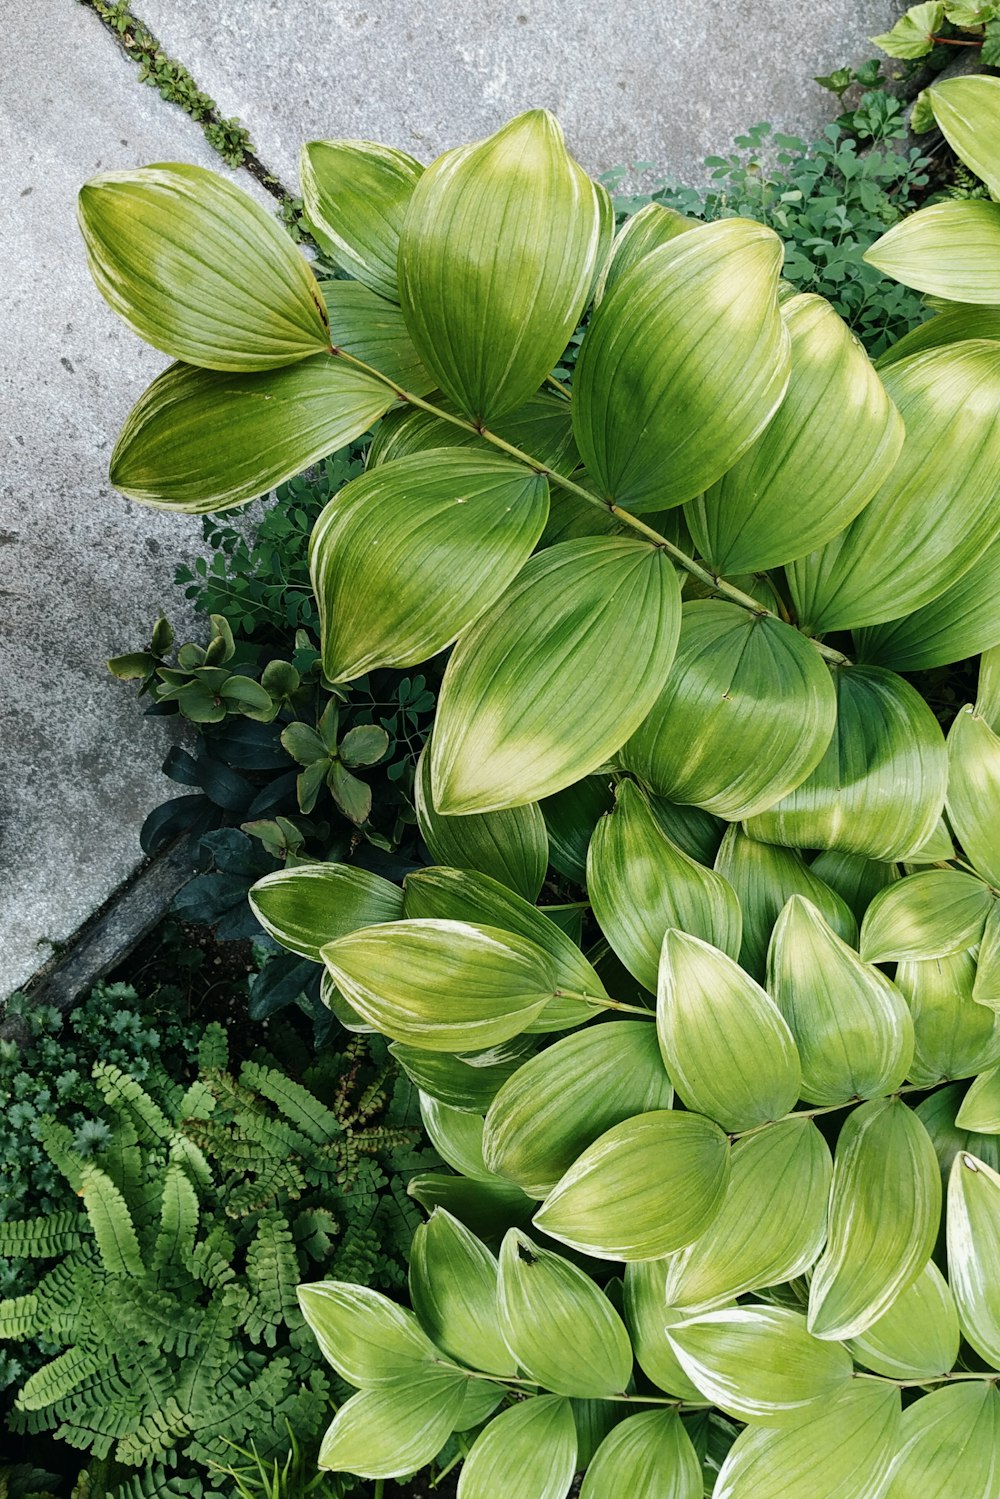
x=636, y=80
x=82, y=571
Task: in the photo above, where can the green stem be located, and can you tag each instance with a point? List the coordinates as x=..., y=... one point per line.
x=709, y=579
x=832, y=1108
x=509, y=1381
x=604, y=1004
x=918, y=1384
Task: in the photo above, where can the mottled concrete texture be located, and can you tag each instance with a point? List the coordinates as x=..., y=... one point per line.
x=640, y=79
x=82, y=571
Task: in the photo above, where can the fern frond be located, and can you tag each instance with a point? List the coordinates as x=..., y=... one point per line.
x=213, y=1049
x=65, y=1291
x=238, y=1411
x=41, y=1238
x=155, y=1437
x=178, y=1220
x=57, y=1142
x=278, y=1179
x=186, y=1153
x=122, y=1160
x=199, y=1378
x=315, y=1230
x=211, y=1260
x=296, y=1103
x=21, y=1317
x=273, y=1271
x=112, y=1223
x=197, y=1102
x=159, y=1318
x=57, y=1379
x=129, y=1100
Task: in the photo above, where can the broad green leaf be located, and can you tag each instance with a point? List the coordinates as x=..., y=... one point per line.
x=408, y=555
x=974, y=1252
x=759, y=1363
x=644, y=232
x=487, y=1208
x=562, y=1100
x=885, y=1204
x=465, y=1082
x=739, y=679
x=682, y=366
x=646, y=1187
x=926, y=915
x=918, y=1336
x=974, y=791
x=542, y=427
x=308, y=906
x=571, y=815
x=394, y=1430
x=697, y=832
x=368, y=1339
x=981, y=1105
x=199, y=441
x=199, y=270
x=481, y=1399
x=498, y=252
x=950, y=1444
x=640, y=884
x=765, y=877
x=936, y=513
x=562, y=1330
x=843, y=1451
x=937, y=849
x=772, y=1223
x=442, y=985
x=851, y=1025
x=453, y=1287
x=951, y=324
x=832, y=443
x=854, y=878
x=465, y=895
x=646, y=1316
x=355, y=195
x=528, y=1450
x=724, y=1041
x=457, y=1136
x=986, y=985
x=649, y=1456
x=513, y=723
x=879, y=788
x=988, y=691
x=593, y=1420
x=511, y=846
x=938, y=1114
x=953, y=1036
x=913, y=34
x=374, y=331
x=950, y=249
x=960, y=622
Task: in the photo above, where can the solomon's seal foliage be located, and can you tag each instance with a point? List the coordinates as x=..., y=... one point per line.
x=723, y=1212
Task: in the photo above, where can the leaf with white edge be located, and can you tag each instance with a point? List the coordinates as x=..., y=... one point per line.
x=843, y=1451
x=953, y=1036
x=392, y=1431
x=408, y=555
x=832, y=443
x=936, y=513
x=856, y=879
x=772, y=1223
x=511, y=846
x=646, y=1316
x=968, y=112
x=974, y=1252
x=453, y=1287
x=374, y=331
x=199, y=270
x=499, y=249
x=649, y=1456
x=683, y=365
x=949, y=249
x=926, y=915
x=986, y=986
x=306, y=907
x=981, y=1105
x=743, y=679
x=759, y=1363
x=355, y=195
x=542, y=428
x=640, y=884
x=851, y=1025
x=644, y=232
x=512, y=723
x=562, y=1100
x=199, y=440
x=879, y=788
x=369, y=1340
x=644, y=1188
x=442, y=985
x=974, y=791
x=950, y=1445
x=918, y=1336
x=468, y=1082
x=528, y=1450
x=951, y=324
x=885, y=1205
x=466, y=895
x=561, y=1328
x=765, y=877
x=725, y=1043
x=457, y=1136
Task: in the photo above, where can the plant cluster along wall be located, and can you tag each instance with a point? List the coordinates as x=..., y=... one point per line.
x=709, y=1150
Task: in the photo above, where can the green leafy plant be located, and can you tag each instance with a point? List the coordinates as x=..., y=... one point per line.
x=717, y=1198
x=943, y=24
